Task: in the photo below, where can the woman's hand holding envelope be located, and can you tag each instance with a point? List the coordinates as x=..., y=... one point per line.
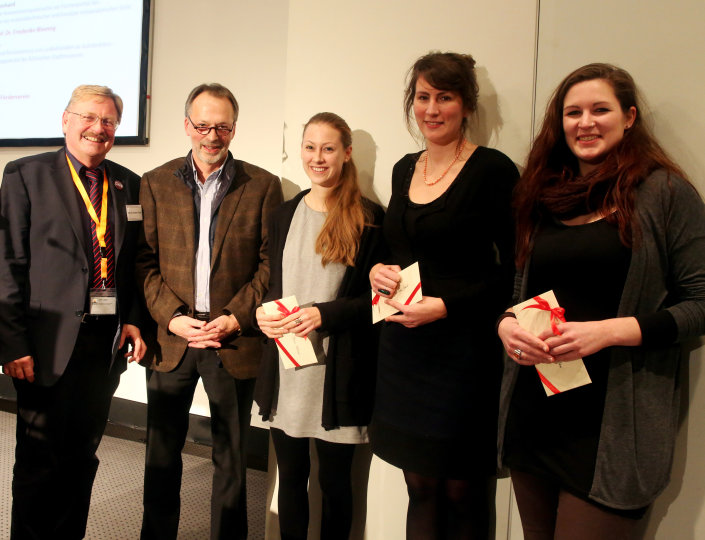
x=577, y=339
x=384, y=279
x=300, y=323
x=270, y=325
x=308, y=319
x=429, y=309
x=514, y=338
x=581, y=339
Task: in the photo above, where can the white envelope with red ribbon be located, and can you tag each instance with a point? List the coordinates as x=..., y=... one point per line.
x=541, y=313
x=293, y=351
x=408, y=292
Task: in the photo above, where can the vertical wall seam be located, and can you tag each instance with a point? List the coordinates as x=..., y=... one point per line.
x=532, y=132
x=536, y=71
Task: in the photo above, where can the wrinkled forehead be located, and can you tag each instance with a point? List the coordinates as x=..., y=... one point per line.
x=95, y=104
x=207, y=106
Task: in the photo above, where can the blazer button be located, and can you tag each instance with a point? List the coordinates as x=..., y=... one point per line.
x=79, y=313
x=84, y=269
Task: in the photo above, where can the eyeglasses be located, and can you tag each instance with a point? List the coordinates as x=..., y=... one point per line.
x=205, y=130
x=89, y=119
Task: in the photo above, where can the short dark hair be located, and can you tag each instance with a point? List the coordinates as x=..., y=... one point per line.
x=452, y=72
x=215, y=90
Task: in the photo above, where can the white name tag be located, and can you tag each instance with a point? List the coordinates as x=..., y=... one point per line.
x=134, y=212
x=103, y=302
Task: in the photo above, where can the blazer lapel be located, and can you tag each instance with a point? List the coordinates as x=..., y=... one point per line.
x=184, y=218
x=226, y=212
x=61, y=176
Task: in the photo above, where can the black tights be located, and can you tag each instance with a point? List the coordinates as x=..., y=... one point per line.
x=334, y=464
x=550, y=513
x=443, y=508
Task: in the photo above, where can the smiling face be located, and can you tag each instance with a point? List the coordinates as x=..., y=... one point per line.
x=439, y=113
x=594, y=122
x=210, y=151
x=89, y=144
x=323, y=154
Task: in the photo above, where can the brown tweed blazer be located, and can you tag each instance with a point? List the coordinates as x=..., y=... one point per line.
x=239, y=264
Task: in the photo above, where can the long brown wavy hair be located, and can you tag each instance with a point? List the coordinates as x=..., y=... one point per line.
x=551, y=183
x=339, y=239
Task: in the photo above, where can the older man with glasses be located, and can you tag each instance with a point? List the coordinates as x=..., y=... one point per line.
x=204, y=267
x=69, y=222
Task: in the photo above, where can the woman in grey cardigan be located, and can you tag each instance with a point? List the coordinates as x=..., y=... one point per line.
x=608, y=222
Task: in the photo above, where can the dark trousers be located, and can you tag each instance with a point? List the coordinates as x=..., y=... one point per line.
x=334, y=471
x=59, y=429
x=169, y=397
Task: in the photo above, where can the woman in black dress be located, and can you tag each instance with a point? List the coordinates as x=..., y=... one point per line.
x=439, y=366
x=606, y=220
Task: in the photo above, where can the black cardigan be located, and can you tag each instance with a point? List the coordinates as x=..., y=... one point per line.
x=348, y=390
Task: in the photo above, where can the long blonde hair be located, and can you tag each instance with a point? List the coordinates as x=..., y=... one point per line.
x=339, y=239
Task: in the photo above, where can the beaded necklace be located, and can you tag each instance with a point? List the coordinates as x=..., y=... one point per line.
x=425, y=165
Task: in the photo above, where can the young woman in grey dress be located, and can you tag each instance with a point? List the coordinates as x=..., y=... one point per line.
x=607, y=221
x=321, y=247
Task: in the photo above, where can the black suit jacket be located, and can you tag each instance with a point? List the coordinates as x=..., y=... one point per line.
x=44, y=269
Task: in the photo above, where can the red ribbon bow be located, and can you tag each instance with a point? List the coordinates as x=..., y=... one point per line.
x=285, y=310
x=556, y=313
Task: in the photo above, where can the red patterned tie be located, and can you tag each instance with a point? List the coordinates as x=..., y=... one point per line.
x=95, y=176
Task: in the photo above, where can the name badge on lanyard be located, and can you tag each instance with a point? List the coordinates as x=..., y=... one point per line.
x=102, y=301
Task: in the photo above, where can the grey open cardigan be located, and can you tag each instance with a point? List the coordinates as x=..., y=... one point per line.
x=640, y=419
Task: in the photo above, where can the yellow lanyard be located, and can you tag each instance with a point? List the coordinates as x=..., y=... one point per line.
x=100, y=225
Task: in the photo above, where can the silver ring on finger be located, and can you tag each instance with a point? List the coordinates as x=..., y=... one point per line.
x=517, y=353
x=297, y=321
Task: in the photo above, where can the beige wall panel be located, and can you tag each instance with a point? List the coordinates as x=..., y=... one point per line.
x=352, y=59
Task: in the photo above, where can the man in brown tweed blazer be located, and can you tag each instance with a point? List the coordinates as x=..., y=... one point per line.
x=204, y=268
